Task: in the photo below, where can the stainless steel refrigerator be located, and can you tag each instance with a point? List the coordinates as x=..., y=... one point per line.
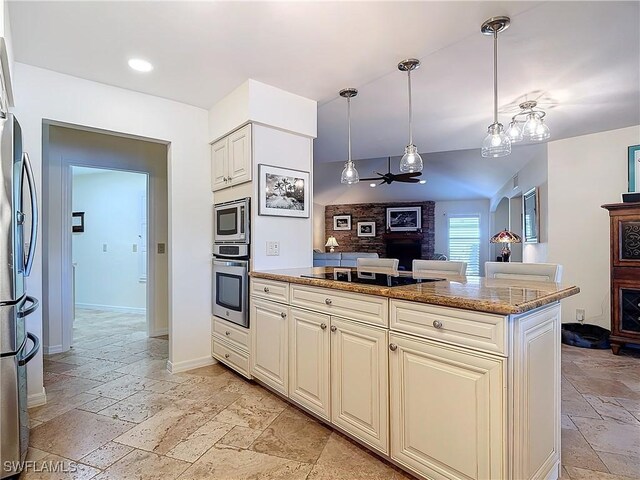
x=18, y=230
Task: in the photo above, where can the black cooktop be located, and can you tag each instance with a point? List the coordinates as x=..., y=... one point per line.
x=371, y=278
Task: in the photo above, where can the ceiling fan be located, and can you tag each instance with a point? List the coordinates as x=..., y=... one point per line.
x=389, y=177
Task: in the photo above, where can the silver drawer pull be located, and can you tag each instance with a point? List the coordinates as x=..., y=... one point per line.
x=266, y=289
x=328, y=301
x=283, y=315
x=226, y=355
x=227, y=333
x=333, y=328
x=393, y=347
x=437, y=324
x=323, y=326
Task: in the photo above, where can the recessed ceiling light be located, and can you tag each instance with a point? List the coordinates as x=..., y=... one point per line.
x=372, y=185
x=423, y=182
x=140, y=65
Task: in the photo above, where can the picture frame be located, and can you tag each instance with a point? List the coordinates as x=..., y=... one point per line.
x=404, y=219
x=342, y=222
x=531, y=216
x=366, y=229
x=283, y=192
x=634, y=168
x=77, y=222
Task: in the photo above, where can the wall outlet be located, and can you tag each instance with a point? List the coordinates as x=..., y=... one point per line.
x=273, y=249
x=580, y=314
x=134, y=248
x=162, y=248
x=104, y=247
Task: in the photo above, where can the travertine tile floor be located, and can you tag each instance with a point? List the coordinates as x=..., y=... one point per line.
x=115, y=411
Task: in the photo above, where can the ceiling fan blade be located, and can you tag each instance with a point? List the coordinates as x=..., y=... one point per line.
x=407, y=175
x=408, y=180
x=375, y=179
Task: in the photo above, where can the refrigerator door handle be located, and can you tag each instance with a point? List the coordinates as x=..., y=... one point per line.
x=34, y=213
x=25, y=312
x=29, y=356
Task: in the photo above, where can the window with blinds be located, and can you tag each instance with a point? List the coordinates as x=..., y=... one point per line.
x=464, y=241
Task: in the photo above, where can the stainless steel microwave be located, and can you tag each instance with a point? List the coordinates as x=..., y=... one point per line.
x=231, y=221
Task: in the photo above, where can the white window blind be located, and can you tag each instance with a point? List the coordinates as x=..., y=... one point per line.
x=464, y=241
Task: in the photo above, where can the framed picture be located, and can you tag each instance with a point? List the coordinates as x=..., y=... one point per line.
x=531, y=220
x=366, y=229
x=404, y=219
x=77, y=222
x=634, y=168
x=342, y=222
x=283, y=192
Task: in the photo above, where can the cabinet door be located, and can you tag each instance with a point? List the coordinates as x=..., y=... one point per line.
x=448, y=410
x=219, y=164
x=269, y=341
x=359, y=382
x=309, y=360
x=240, y=155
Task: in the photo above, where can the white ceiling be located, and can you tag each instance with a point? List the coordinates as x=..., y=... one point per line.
x=581, y=60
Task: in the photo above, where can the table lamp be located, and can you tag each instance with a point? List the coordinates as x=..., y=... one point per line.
x=506, y=237
x=331, y=243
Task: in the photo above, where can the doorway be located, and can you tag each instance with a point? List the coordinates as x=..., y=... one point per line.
x=109, y=253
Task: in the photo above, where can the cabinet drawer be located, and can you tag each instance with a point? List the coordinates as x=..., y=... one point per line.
x=270, y=289
x=237, y=336
x=481, y=331
x=365, y=308
x=228, y=355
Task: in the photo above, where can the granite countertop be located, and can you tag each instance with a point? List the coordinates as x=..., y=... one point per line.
x=499, y=296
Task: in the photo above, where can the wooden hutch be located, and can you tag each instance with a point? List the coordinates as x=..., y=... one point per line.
x=625, y=273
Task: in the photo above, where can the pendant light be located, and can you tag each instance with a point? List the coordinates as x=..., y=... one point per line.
x=497, y=143
x=411, y=160
x=528, y=124
x=349, y=174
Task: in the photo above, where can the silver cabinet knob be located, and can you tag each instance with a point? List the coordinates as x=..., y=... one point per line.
x=393, y=347
x=226, y=355
x=266, y=289
x=333, y=328
x=227, y=333
x=328, y=301
x=437, y=324
x=283, y=315
x=323, y=326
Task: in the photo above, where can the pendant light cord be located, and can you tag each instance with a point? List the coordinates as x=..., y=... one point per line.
x=495, y=76
x=410, y=114
x=349, y=122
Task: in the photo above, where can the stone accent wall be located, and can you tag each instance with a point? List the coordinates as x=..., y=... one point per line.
x=376, y=212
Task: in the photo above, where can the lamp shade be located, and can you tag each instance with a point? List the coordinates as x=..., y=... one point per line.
x=505, y=236
x=331, y=242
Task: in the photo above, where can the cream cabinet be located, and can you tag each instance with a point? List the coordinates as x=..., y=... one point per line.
x=231, y=159
x=359, y=382
x=270, y=344
x=230, y=345
x=309, y=360
x=448, y=410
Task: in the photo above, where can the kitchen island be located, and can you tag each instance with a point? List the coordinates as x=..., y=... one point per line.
x=448, y=379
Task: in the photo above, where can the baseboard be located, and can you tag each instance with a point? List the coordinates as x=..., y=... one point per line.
x=37, y=399
x=190, y=364
x=111, y=308
x=159, y=333
x=52, y=349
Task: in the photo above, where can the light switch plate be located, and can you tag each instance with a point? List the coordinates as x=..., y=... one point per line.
x=161, y=248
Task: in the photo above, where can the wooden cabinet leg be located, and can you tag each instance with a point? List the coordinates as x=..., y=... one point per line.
x=615, y=348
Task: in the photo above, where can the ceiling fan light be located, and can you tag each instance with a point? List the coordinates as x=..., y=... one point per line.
x=349, y=174
x=515, y=132
x=496, y=143
x=411, y=160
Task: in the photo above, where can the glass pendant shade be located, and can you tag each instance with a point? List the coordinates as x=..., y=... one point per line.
x=411, y=160
x=349, y=174
x=515, y=132
x=535, y=128
x=496, y=143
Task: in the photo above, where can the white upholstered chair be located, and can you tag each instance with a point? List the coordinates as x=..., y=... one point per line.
x=439, y=267
x=381, y=265
x=540, y=272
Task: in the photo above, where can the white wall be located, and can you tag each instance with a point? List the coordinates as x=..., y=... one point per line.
x=114, y=206
x=43, y=94
x=459, y=207
x=584, y=173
